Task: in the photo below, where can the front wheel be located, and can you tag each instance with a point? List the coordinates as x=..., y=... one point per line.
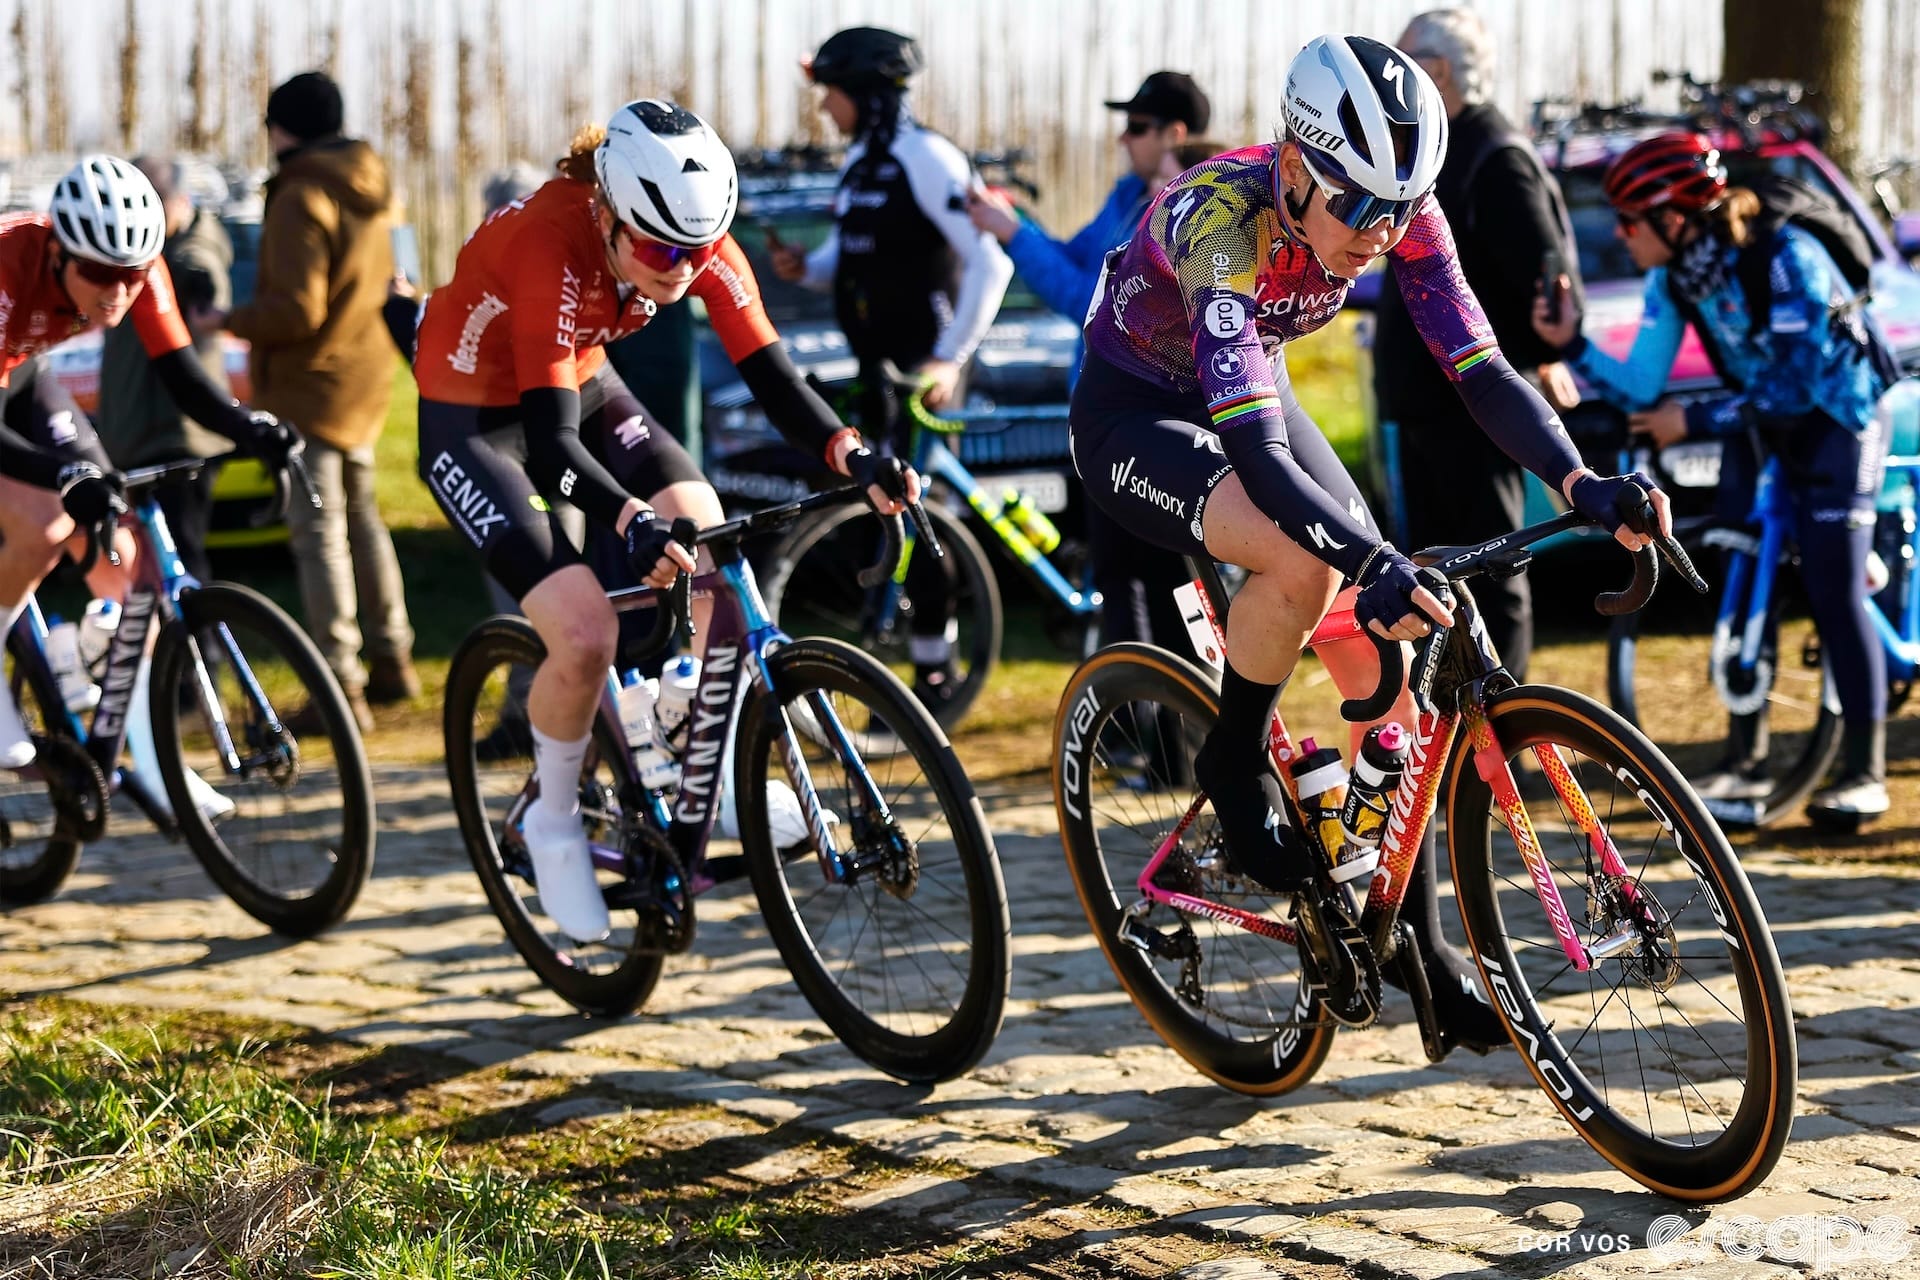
x=490, y=769
x=1672, y=1053
x=1229, y=1001
x=812, y=588
x=40, y=839
x=902, y=951
x=282, y=821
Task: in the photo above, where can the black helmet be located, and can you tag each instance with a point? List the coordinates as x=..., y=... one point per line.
x=866, y=55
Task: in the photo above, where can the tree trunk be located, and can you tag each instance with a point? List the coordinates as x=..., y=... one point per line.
x=130, y=79
x=1816, y=42
x=23, y=68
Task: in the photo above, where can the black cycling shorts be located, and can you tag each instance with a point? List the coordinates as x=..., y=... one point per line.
x=474, y=461
x=1150, y=458
x=41, y=409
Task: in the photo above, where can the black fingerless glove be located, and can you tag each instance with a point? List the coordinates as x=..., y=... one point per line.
x=1606, y=501
x=647, y=539
x=272, y=441
x=1387, y=583
x=867, y=468
x=89, y=494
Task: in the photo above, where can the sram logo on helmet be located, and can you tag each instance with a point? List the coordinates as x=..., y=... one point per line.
x=667, y=174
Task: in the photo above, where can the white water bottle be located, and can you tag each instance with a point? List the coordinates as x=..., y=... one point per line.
x=657, y=769
x=679, y=682
x=63, y=656
x=97, y=630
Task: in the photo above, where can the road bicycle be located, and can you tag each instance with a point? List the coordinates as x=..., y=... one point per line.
x=292, y=838
x=1621, y=942
x=811, y=588
x=1762, y=663
x=895, y=928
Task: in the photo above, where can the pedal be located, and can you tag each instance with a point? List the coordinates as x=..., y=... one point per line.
x=1413, y=977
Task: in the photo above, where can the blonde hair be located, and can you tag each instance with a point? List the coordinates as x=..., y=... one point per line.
x=578, y=162
x=1733, y=214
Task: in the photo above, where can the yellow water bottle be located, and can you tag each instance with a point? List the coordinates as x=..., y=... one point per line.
x=1030, y=520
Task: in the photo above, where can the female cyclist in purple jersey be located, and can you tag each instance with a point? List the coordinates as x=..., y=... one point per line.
x=1185, y=428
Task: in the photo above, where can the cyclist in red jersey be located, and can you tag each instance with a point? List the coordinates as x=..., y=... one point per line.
x=92, y=262
x=518, y=406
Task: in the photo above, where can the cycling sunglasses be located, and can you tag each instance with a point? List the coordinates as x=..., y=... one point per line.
x=106, y=276
x=656, y=255
x=1138, y=126
x=1360, y=209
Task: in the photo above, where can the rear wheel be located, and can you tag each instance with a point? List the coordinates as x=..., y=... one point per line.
x=39, y=846
x=1229, y=1001
x=812, y=588
x=1672, y=1053
x=490, y=768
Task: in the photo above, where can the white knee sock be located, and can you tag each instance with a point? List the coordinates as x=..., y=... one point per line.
x=556, y=763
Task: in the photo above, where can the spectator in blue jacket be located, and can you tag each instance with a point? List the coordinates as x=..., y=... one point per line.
x=1136, y=579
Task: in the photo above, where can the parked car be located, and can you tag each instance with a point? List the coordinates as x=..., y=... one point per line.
x=1025, y=359
x=1759, y=129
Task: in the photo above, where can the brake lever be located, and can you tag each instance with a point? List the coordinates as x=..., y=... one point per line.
x=923, y=529
x=680, y=595
x=1676, y=555
x=297, y=467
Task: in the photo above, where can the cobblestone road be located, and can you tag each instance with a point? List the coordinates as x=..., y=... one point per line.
x=1385, y=1166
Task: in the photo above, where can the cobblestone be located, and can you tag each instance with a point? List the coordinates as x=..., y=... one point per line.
x=1385, y=1165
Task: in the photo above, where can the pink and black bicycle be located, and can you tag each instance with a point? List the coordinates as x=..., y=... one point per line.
x=1627, y=954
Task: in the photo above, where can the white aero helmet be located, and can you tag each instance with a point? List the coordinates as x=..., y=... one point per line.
x=667, y=174
x=1370, y=124
x=105, y=210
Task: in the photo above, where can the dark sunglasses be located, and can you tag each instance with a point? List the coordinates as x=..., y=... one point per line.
x=1627, y=222
x=105, y=276
x=1137, y=126
x=655, y=255
x=1360, y=209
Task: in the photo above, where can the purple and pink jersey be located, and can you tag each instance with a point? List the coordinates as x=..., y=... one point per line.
x=1212, y=286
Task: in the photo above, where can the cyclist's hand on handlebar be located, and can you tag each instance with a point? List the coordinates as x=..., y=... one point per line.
x=1392, y=603
x=1664, y=424
x=942, y=378
x=890, y=485
x=272, y=441
x=89, y=494
x=653, y=552
x=1609, y=502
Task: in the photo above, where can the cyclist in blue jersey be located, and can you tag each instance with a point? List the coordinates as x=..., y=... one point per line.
x=1801, y=385
x=1185, y=426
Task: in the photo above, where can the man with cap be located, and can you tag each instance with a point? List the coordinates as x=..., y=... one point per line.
x=1135, y=578
x=323, y=361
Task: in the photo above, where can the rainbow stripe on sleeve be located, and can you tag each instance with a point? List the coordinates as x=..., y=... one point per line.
x=1227, y=408
x=1475, y=353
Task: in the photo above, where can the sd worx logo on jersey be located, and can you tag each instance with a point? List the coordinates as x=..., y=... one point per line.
x=1124, y=481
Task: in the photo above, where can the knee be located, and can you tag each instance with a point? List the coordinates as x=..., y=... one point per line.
x=582, y=644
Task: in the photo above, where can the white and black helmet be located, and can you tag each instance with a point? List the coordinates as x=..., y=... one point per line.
x=1370, y=122
x=105, y=210
x=667, y=174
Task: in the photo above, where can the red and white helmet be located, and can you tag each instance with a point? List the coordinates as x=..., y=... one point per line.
x=667, y=174
x=107, y=211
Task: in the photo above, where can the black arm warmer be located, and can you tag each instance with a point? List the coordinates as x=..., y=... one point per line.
x=558, y=460
x=402, y=317
x=200, y=398
x=27, y=462
x=793, y=407
x=1258, y=449
x=1520, y=421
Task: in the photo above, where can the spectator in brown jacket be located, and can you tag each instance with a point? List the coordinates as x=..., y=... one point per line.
x=322, y=361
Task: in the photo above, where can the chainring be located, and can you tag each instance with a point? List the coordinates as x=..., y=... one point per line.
x=1338, y=962
x=75, y=784
x=1743, y=694
x=665, y=904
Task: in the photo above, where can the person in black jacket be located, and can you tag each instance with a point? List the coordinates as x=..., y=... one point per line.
x=1506, y=213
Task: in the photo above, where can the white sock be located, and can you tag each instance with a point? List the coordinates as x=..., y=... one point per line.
x=556, y=763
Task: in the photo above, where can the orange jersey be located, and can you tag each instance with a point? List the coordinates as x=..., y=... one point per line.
x=36, y=315
x=532, y=302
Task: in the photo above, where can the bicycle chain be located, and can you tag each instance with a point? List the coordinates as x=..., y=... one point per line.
x=75, y=784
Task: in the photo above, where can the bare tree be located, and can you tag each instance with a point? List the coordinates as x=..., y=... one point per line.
x=260, y=77
x=193, y=132
x=223, y=104
x=129, y=76
x=466, y=143
x=1813, y=41
x=53, y=59
x=23, y=75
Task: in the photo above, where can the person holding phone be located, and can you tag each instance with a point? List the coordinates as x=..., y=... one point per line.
x=913, y=281
x=1510, y=227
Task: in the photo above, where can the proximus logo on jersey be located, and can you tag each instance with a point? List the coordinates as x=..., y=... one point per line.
x=464, y=500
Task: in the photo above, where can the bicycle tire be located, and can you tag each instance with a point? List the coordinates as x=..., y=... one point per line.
x=1805, y=742
x=1715, y=934
x=600, y=981
x=35, y=876
x=334, y=866
x=922, y=1037
x=838, y=607
x=1253, y=1043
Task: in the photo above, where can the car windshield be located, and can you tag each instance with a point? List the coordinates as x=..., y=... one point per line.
x=1604, y=257
x=791, y=304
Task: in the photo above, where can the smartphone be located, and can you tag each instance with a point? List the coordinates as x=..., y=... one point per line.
x=406, y=252
x=1551, y=269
